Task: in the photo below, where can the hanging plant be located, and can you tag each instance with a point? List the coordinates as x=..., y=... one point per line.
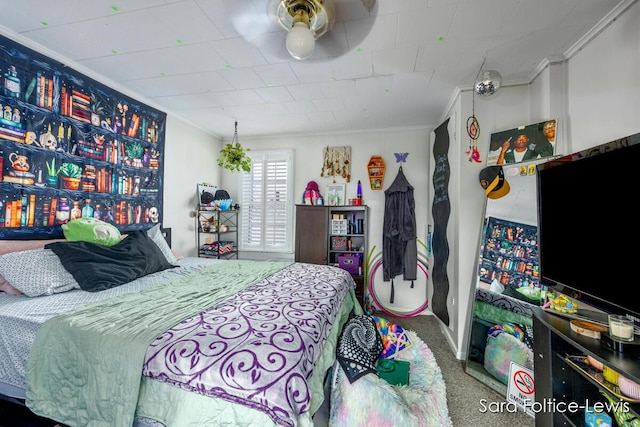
x=234, y=157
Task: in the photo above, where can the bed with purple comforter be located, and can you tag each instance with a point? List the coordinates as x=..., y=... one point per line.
x=208, y=342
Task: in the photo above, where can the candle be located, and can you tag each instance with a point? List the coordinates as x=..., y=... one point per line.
x=621, y=327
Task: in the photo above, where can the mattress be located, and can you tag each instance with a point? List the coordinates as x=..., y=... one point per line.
x=164, y=399
x=20, y=319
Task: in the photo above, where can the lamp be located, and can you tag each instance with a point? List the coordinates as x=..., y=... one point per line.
x=488, y=82
x=305, y=20
x=300, y=39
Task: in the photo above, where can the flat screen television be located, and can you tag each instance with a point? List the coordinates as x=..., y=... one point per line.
x=589, y=228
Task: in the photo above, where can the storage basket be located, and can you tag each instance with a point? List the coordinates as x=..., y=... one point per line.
x=338, y=243
x=225, y=247
x=340, y=226
x=350, y=262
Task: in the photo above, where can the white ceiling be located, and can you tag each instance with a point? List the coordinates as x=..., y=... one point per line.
x=186, y=58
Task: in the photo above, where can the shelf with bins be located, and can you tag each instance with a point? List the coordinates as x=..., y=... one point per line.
x=217, y=233
x=347, y=238
x=323, y=234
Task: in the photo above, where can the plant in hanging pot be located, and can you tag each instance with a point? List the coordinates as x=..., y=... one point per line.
x=71, y=174
x=233, y=156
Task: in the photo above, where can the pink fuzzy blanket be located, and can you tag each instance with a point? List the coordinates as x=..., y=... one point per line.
x=371, y=401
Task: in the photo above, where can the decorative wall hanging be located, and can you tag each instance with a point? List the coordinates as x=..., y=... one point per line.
x=336, y=161
x=473, y=126
x=376, y=168
x=67, y=142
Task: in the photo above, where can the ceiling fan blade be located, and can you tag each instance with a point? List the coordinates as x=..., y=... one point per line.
x=332, y=44
x=250, y=17
x=272, y=45
x=339, y=40
x=257, y=22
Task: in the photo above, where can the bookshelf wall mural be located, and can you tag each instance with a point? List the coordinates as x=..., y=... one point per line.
x=72, y=147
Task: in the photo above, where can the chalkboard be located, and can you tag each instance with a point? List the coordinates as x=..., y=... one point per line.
x=441, y=209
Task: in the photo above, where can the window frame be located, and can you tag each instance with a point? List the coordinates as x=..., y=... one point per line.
x=264, y=157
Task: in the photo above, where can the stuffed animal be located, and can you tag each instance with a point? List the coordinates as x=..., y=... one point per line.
x=312, y=194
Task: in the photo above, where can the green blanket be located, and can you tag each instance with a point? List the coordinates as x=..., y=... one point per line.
x=78, y=373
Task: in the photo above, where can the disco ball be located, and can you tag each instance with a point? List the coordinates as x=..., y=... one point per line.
x=488, y=83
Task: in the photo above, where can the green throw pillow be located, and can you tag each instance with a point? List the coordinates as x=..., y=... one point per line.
x=91, y=230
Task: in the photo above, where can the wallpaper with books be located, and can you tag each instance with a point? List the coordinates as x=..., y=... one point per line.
x=72, y=147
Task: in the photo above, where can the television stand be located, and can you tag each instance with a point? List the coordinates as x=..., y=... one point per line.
x=558, y=380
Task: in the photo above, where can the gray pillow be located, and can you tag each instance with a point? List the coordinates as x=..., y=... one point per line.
x=156, y=235
x=36, y=272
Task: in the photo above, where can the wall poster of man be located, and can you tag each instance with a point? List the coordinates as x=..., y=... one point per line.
x=534, y=141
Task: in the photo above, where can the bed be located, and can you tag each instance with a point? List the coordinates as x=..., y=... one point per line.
x=202, y=342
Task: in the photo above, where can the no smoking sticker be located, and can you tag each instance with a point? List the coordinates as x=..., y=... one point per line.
x=524, y=382
x=521, y=388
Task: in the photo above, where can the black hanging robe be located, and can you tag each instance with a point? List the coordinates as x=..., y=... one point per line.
x=399, y=246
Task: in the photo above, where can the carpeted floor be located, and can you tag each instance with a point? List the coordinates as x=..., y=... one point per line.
x=465, y=394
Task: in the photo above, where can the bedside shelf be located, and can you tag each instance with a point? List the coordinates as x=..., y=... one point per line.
x=214, y=243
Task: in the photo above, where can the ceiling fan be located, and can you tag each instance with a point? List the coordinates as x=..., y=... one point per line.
x=302, y=29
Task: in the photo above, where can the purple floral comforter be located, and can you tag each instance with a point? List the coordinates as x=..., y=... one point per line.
x=259, y=347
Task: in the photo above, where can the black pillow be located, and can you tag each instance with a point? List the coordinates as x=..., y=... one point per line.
x=98, y=267
x=221, y=195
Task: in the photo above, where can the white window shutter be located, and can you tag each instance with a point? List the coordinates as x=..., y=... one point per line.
x=266, y=206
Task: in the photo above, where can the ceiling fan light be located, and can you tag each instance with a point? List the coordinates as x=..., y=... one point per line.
x=488, y=83
x=300, y=41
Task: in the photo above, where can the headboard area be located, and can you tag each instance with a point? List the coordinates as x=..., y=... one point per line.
x=8, y=246
x=166, y=232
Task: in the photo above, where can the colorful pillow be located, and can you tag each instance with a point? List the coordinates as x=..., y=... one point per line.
x=394, y=337
x=359, y=347
x=36, y=272
x=91, y=230
x=155, y=233
x=510, y=328
x=503, y=349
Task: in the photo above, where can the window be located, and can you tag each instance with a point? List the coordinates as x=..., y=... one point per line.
x=266, y=213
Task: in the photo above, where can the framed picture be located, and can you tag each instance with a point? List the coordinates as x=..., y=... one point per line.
x=523, y=143
x=336, y=194
x=206, y=192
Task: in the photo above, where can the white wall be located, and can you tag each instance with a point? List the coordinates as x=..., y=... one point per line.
x=604, y=85
x=190, y=157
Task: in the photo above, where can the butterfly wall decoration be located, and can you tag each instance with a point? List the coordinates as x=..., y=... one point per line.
x=401, y=157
